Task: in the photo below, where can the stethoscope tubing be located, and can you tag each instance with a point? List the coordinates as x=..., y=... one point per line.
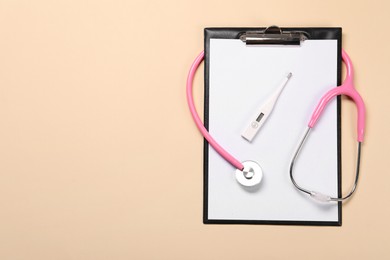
x=347, y=89
x=198, y=122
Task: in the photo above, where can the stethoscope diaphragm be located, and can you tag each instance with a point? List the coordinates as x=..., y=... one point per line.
x=251, y=175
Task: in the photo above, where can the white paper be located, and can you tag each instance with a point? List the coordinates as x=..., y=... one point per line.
x=241, y=79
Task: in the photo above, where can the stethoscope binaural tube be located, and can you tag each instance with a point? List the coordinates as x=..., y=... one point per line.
x=348, y=89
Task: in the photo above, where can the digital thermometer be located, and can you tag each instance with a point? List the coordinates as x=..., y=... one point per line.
x=263, y=113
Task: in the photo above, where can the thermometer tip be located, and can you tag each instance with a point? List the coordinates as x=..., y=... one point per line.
x=289, y=75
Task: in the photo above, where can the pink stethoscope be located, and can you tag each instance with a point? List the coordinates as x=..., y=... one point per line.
x=249, y=170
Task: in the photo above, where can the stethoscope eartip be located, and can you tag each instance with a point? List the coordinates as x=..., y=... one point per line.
x=320, y=197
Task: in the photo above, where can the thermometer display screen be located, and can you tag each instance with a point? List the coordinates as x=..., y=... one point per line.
x=259, y=117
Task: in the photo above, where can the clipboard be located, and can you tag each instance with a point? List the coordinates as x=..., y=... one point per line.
x=242, y=65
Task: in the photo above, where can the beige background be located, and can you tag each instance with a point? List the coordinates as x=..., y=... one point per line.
x=99, y=157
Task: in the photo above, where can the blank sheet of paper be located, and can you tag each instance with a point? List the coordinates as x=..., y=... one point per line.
x=241, y=78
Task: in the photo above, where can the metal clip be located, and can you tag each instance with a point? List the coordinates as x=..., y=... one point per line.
x=274, y=35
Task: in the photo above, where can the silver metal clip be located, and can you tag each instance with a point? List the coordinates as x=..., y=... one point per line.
x=274, y=35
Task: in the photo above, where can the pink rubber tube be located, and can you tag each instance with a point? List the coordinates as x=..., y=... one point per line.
x=190, y=99
x=348, y=89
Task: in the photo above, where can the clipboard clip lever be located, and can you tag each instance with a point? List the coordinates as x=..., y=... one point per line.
x=274, y=35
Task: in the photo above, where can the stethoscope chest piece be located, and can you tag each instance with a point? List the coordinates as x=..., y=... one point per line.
x=251, y=175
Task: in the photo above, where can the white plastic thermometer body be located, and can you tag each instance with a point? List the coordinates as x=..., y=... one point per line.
x=263, y=113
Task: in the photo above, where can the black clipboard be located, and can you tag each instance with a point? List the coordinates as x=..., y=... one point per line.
x=285, y=36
